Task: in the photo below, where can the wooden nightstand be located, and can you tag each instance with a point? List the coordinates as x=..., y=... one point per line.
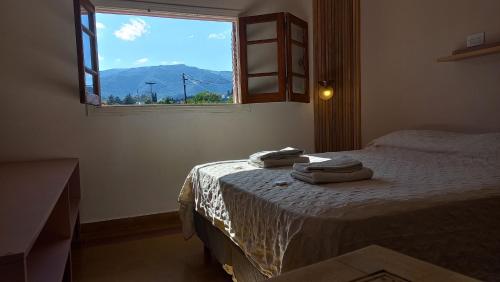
x=372, y=264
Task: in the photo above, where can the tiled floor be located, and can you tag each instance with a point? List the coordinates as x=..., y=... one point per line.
x=161, y=258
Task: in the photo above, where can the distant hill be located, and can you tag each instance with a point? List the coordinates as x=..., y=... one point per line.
x=168, y=79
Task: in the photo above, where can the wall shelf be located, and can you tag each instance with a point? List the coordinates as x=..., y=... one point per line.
x=473, y=52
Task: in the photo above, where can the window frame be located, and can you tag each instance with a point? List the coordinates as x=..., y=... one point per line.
x=297, y=97
x=241, y=95
x=91, y=31
x=284, y=59
x=280, y=96
x=123, y=9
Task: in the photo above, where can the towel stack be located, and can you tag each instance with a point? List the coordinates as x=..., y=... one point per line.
x=338, y=169
x=284, y=157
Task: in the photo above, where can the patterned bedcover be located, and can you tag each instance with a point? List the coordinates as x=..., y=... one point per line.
x=439, y=207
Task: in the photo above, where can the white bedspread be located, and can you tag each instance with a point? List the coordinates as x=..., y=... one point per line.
x=415, y=202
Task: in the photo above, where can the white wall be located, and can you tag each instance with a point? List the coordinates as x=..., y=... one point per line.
x=402, y=84
x=132, y=163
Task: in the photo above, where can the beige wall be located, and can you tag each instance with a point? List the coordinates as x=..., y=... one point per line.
x=402, y=84
x=132, y=163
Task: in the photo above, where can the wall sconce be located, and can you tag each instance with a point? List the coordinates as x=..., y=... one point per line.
x=326, y=91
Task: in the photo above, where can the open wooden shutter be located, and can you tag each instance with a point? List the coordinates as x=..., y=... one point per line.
x=263, y=58
x=297, y=59
x=86, y=43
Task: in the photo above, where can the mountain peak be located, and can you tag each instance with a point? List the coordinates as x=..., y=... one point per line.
x=167, y=81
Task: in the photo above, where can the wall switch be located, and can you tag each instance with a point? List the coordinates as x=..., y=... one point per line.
x=475, y=39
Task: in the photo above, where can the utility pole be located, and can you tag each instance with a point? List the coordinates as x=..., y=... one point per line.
x=184, y=79
x=151, y=89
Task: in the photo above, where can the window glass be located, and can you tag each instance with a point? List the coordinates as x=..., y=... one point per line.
x=298, y=59
x=263, y=85
x=297, y=33
x=299, y=85
x=85, y=18
x=262, y=58
x=87, y=50
x=89, y=83
x=261, y=31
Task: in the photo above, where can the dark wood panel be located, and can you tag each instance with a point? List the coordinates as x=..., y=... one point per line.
x=337, y=58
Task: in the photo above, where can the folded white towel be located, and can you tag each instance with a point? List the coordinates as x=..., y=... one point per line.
x=332, y=177
x=278, y=162
x=336, y=164
x=283, y=153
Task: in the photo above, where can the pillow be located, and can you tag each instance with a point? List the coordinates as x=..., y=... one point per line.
x=424, y=140
x=483, y=145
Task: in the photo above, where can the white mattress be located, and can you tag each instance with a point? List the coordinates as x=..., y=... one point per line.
x=434, y=206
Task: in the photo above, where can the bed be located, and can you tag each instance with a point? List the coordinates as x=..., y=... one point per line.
x=434, y=196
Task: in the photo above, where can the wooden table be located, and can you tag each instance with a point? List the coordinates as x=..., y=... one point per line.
x=372, y=264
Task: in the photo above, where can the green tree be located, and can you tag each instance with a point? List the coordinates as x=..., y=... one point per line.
x=129, y=100
x=144, y=99
x=205, y=97
x=118, y=101
x=111, y=100
x=167, y=100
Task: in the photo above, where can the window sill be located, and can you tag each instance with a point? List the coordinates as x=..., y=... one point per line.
x=124, y=110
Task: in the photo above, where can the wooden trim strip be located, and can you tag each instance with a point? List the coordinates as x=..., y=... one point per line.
x=262, y=74
x=111, y=230
x=300, y=44
x=262, y=41
x=88, y=31
x=91, y=71
x=299, y=75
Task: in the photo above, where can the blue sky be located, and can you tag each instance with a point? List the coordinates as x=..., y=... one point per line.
x=133, y=41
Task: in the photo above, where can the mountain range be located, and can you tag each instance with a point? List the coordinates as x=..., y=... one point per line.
x=167, y=79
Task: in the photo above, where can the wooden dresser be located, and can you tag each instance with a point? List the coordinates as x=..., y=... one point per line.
x=39, y=217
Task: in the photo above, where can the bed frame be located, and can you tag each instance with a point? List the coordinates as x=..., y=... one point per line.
x=219, y=247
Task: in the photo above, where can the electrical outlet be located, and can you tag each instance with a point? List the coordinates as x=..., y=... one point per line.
x=475, y=39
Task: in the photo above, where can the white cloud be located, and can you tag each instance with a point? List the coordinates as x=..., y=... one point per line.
x=101, y=58
x=168, y=63
x=132, y=30
x=191, y=36
x=141, y=61
x=220, y=35
x=118, y=60
x=100, y=25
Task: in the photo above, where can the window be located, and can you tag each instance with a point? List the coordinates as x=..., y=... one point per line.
x=161, y=60
x=274, y=58
x=149, y=57
x=86, y=39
